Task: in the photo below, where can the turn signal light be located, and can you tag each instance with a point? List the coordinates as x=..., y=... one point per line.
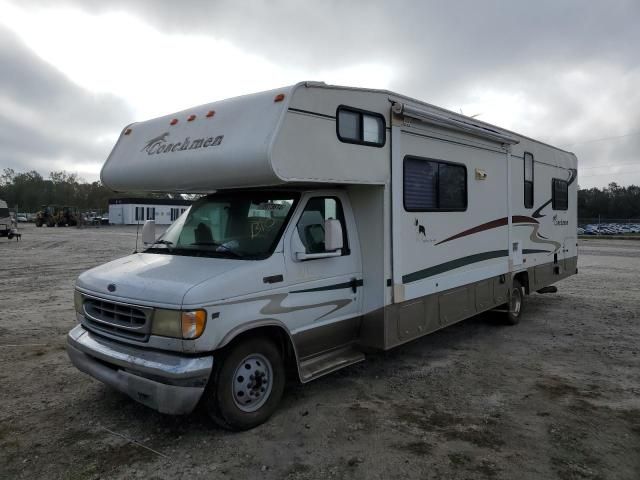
x=193, y=323
x=173, y=122
x=279, y=97
x=127, y=131
x=210, y=113
x=191, y=118
x=78, y=301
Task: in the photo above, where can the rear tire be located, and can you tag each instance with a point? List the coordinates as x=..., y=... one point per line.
x=246, y=384
x=515, y=305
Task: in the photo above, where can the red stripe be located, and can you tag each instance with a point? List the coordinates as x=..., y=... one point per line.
x=500, y=222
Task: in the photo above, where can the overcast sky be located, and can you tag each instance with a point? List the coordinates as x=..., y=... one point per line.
x=74, y=72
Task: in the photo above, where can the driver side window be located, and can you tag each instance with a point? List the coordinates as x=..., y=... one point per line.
x=311, y=224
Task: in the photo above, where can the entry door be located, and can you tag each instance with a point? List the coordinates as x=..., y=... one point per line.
x=326, y=292
x=117, y=216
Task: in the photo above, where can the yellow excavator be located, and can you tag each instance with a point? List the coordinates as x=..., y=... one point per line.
x=53, y=215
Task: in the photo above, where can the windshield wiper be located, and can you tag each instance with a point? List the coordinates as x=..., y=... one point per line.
x=225, y=249
x=161, y=242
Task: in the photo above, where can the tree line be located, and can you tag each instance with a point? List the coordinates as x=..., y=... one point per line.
x=611, y=202
x=29, y=191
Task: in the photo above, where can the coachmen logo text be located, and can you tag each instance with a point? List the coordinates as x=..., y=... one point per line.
x=160, y=144
x=559, y=221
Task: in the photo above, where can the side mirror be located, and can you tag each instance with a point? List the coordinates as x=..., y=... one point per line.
x=299, y=250
x=332, y=235
x=149, y=232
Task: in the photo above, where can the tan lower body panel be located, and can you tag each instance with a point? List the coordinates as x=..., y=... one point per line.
x=327, y=348
x=314, y=341
x=402, y=322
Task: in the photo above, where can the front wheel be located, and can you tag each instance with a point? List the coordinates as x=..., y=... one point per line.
x=516, y=305
x=246, y=384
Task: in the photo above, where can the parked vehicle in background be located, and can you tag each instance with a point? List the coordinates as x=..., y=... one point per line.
x=342, y=220
x=610, y=228
x=54, y=215
x=46, y=216
x=8, y=224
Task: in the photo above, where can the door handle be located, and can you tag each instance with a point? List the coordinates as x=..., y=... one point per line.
x=354, y=284
x=273, y=279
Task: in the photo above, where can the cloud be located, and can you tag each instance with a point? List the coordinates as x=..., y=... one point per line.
x=563, y=72
x=47, y=122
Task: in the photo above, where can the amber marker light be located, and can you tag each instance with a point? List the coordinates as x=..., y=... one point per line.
x=78, y=301
x=210, y=113
x=279, y=97
x=191, y=118
x=127, y=131
x=173, y=122
x=193, y=323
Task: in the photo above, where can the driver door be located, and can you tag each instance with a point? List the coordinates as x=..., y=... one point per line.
x=327, y=292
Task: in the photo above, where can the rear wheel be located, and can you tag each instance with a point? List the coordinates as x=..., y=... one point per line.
x=516, y=304
x=246, y=385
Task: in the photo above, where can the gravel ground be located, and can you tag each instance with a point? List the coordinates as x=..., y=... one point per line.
x=556, y=397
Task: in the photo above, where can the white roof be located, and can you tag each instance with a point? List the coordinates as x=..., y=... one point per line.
x=227, y=148
x=251, y=141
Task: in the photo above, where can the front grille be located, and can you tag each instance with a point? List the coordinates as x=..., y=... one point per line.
x=117, y=319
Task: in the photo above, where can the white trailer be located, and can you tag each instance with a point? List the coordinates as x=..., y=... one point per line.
x=336, y=221
x=133, y=211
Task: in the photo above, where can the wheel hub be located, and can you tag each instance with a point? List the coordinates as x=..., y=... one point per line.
x=252, y=382
x=516, y=301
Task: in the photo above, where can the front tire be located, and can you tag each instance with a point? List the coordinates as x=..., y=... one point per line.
x=515, y=305
x=246, y=384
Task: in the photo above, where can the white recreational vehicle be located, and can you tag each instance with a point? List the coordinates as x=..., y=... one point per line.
x=336, y=221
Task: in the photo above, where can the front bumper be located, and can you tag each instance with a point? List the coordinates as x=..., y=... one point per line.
x=166, y=382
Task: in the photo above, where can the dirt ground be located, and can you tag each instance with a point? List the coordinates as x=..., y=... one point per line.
x=556, y=397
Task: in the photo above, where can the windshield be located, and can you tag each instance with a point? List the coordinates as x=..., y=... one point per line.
x=244, y=225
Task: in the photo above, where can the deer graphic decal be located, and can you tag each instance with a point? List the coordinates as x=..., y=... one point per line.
x=159, y=139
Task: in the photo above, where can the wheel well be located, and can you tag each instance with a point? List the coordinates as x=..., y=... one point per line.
x=523, y=278
x=281, y=339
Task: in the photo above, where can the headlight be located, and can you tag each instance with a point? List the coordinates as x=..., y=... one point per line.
x=77, y=301
x=176, y=324
x=166, y=323
x=193, y=323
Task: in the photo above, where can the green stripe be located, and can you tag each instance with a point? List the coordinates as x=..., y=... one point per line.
x=453, y=264
x=337, y=286
x=461, y=262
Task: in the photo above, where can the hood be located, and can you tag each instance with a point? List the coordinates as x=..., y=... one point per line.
x=154, y=279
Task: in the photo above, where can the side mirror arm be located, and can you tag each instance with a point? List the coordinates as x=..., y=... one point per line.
x=302, y=256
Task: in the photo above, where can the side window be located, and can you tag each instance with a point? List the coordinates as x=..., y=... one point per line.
x=559, y=194
x=151, y=213
x=431, y=185
x=528, y=180
x=359, y=126
x=311, y=224
x=452, y=187
x=139, y=214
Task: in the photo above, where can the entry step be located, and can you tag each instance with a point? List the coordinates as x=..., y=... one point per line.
x=328, y=362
